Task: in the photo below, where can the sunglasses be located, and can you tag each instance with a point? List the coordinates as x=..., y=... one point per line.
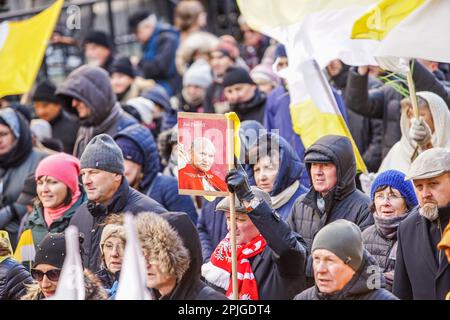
x=52, y=275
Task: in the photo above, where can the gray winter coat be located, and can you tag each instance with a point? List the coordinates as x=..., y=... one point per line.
x=366, y=284
x=92, y=86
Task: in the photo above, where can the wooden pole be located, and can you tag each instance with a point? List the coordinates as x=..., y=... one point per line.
x=230, y=160
x=412, y=94
x=413, y=98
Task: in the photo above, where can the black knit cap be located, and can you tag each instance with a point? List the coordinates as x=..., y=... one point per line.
x=235, y=75
x=45, y=92
x=136, y=18
x=52, y=250
x=123, y=65
x=98, y=37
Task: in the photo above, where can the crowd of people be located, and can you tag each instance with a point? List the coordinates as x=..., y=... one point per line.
x=103, y=142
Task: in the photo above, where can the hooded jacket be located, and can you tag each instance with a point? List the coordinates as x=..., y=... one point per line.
x=399, y=157
x=38, y=226
x=15, y=167
x=190, y=287
x=89, y=217
x=291, y=170
x=92, y=86
x=163, y=189
x=422, y=271
x=344, y=201
x=362, y=286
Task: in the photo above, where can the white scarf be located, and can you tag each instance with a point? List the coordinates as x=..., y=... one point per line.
x=284, y=196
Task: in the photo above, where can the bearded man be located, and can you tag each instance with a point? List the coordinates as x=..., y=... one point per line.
x=422, y=271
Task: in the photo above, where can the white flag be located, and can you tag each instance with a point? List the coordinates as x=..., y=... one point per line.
x=71, y=281
x=133, y=275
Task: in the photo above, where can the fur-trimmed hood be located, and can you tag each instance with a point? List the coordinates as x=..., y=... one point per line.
x=162, y=243
x=93, y=287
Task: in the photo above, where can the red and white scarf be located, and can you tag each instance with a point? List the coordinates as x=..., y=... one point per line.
x=218, y=270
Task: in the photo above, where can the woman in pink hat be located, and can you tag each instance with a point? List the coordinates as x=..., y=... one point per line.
x=59, y=194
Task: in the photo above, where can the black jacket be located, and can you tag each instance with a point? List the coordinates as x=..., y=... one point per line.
x=252, y=109
x=13, y=276
x=422, y=271
x=89, y=216
x=365, y=284
x=384, y=102
x=190, y=287
x=65, y=128
x=343, y=202
x=279, y=269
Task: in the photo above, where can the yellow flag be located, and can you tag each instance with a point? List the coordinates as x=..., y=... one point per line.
x=237, y=124
x=381, y=19
x=25, y=250
x=22, y=47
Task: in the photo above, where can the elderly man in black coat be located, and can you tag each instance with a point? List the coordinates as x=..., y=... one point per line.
x=102, y=173
x=422, y=271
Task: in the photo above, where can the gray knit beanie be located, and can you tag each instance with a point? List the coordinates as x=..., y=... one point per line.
x=104, y=154
x=344, y=239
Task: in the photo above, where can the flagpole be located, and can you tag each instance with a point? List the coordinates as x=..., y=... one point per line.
x=413, y=98
x=230, y=160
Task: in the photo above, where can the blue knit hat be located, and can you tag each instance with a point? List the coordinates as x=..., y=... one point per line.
x=396, y=180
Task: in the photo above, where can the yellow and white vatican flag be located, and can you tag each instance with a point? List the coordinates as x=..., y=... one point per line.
x=407, y=29
x=22, y=47
x=133, y=275
x=25, y=250
x=314, y=110
x=318, y=29
x=314, y=33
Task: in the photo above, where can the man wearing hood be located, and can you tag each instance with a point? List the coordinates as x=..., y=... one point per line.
x=243, y=95
x=331, y=166
x=87, y=92
x=343, y=270
x=422, y=271
x=172, y=252
x=142, y=170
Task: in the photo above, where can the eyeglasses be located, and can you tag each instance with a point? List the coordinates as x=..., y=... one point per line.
x=52, y=275
x=389, y=197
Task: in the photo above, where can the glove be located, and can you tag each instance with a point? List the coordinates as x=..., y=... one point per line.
x=420, y=132
x=366, y=180
x=237, y=182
